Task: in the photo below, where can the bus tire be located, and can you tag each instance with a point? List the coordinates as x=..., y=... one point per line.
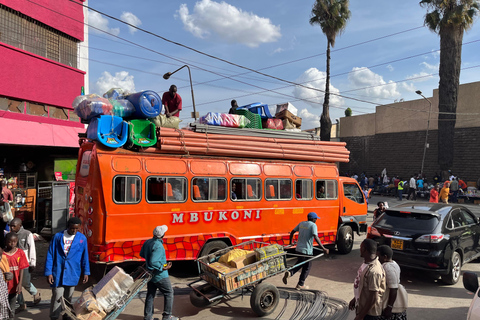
x=212, y=247
x=264, y=299
x=200, y=301
x=97, y=271
x=345, y=239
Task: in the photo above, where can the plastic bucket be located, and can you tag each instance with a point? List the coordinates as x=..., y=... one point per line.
x=147, y=104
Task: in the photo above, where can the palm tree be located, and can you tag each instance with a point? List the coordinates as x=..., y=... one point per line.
x=449, y=19
x=332, y=17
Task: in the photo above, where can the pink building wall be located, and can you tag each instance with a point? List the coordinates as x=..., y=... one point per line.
x=62, y=15
x=27, y=76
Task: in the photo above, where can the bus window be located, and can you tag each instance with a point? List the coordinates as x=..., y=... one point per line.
x=278, y=189
x=326, y=189
x=127, y=189
x=209, y=189
x=242, y=189
x=304, y=189
x=353, y=192
x=166, y=189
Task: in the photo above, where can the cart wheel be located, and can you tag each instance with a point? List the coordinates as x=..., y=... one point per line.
x=264, y=299
x=200, y=301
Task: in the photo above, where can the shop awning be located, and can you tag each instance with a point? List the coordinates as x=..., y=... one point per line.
x=19, y=132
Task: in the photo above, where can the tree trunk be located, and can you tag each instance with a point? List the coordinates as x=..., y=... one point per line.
x=325, y=122
x=450, y=63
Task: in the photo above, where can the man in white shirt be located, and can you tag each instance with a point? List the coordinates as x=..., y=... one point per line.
x=27, y=244
x=412, y=189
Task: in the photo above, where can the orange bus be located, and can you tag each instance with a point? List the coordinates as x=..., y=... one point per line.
x=208, y=203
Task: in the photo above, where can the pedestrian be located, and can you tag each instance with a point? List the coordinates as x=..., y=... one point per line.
x=454, y=189
x=445, y=192
x=234, y=107
x=5, y=312
x=420, y=183
x=17, y=262
x=436, y=178
x=172, y=102
x=369, y=285
x=67, y=260
x=412, y=189
x=27, y=244
x=400, y=189
x=434, y=194
x=307, y=231
x=7, y=199
x=379, y=210
x=156, y=262
x=395, y=300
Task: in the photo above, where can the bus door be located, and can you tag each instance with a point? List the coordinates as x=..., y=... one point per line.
x=353, y=206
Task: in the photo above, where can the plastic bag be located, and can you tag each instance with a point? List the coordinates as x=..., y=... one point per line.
x=224, y=120
x=166, y=122
x=7, y=215
x=91, y=106
x=211, y=118
x=115, y=93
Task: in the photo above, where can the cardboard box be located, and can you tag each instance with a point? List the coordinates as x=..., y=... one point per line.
x=113, y=286
x=87, y=303
x=92, y=316
x=220, y=269
x=285, y=114
x=286, y=106
x=241, y=262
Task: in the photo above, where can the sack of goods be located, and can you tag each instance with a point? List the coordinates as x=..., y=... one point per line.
x=268, y=251
x=275, y=124
x=113, y=286
x=166, y=122
x=91, y=106
x=224, y=120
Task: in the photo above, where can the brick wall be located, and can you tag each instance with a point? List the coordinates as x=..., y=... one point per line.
x=401, y=153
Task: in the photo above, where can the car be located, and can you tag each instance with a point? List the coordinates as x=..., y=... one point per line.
x=470, y=282
x=438, y=238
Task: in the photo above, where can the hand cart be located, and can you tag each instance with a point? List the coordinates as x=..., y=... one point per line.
x=141, y=276
x=215, y=286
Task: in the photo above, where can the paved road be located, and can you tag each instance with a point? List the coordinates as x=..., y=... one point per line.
x=429, y=299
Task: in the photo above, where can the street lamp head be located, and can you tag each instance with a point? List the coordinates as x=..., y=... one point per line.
x=417, y=92
x=167, y=75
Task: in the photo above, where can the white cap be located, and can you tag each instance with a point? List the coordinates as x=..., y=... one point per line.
x=159, y=231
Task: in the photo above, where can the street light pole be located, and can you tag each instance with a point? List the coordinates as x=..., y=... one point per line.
x=167, y=75
x=428, y=126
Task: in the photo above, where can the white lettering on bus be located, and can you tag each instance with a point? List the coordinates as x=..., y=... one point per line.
x=208, y=216
x=177, y=218
x=221, y=216
x=193, y=217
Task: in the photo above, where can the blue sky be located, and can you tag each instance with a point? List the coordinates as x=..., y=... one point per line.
x=384, y=54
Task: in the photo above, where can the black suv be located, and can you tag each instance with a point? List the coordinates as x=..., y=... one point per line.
x=429, y=236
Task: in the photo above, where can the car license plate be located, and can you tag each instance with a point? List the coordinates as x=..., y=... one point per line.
x=397, y=244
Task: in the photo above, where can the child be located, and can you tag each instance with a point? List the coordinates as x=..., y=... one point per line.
x=17, y=261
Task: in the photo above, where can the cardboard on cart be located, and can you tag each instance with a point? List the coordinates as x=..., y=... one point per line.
x=220, y=269
x=94, y=315
x=113, y=286
x=286, y=106
x=243, y=261
x=87, y=303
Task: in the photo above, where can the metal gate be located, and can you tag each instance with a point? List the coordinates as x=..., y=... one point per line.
x=52, y=206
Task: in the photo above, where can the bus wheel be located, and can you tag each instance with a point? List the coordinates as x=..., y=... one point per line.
x=212, y=247
x=345, y=240
x=264, y=299
x=97, y=271
x=200, y=301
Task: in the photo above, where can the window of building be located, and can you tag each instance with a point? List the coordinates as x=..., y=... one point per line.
x=209, y=189
x=23, y=32
x=278, y=189
x=58, y=113
x=242, y=189
x=166, y=189
x=37, y=109
x=73, y=116
x=127, y=189
x=304, y=189
x=326, y=189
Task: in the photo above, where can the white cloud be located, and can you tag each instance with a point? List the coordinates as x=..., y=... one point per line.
x=278, y=50
x=132, y=19
x=309, y=120
x=372, y=84
x=228, y=22
x=97, y=21
x=314, y=78
x=390, y=68
x=425, y=74
x=121, y=80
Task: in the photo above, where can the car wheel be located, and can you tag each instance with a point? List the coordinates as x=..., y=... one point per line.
x=455, y=269
x=345, y=239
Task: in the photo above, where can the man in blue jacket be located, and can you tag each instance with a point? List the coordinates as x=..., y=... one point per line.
x=156, y=262
x=67, y=259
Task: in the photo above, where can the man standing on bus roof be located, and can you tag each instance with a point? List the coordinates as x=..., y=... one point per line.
x=156, y=262
x=307, y=231
x=172, y=102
